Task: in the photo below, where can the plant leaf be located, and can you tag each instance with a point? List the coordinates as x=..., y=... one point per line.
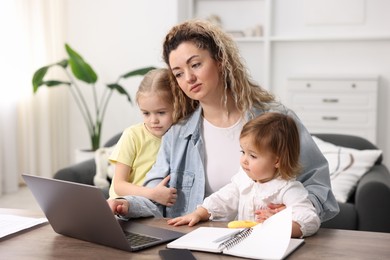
x=121, y=90
x=136, y=72
x=63, y=63
x=53, y=83
x=38, y=77
x=38, y=81
x=81, y=69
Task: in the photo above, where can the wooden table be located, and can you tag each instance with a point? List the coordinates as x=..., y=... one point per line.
x=42, y=242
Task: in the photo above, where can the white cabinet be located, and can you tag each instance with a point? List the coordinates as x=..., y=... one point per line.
x=341, y=104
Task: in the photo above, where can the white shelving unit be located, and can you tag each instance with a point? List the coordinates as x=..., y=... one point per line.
x=240, y=16
x=336, y=37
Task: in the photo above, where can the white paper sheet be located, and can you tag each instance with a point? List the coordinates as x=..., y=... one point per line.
x=10, y=224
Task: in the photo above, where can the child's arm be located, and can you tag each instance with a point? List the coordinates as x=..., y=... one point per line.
x=200, y=214
x=296, y=230
x=161, y=193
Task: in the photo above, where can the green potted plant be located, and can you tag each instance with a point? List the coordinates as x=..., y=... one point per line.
x=75, y=67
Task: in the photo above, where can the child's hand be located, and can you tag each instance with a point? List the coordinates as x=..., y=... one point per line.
x=118, y=206
x=190, y=219
x=164, y=195
x=263, y=214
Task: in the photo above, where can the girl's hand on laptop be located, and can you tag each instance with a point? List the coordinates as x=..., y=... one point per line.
x=118, y=206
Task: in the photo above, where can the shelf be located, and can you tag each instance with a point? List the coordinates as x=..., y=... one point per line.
x=379, y=37
x=249, y=39
x=319, y=77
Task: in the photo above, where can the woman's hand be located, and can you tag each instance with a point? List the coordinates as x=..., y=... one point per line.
x=163, y=194
x=119, y=206
x=263, y=214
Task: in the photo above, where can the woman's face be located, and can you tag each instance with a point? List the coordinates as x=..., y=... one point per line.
x=196, y=72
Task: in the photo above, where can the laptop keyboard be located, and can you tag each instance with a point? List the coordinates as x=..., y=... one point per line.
x=138, y=239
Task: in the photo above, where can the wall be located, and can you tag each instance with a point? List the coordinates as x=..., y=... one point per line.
x=116, y=37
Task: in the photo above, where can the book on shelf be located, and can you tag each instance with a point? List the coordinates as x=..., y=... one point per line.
x=269, y=240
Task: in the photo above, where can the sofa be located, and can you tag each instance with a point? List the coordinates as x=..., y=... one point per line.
x=366, y=209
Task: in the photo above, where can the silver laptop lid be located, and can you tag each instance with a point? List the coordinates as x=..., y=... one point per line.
x=81, y=211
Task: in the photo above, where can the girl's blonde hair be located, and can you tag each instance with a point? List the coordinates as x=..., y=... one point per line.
x=237, y=81
x=276, y=133
x=156, y=81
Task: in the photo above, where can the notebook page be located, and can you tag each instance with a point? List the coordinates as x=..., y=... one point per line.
x=202, y=239
x=267, y=241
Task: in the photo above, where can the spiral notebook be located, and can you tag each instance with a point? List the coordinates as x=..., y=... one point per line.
x=270, y=240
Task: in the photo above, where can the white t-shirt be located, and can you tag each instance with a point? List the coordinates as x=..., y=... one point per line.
x=222, y=151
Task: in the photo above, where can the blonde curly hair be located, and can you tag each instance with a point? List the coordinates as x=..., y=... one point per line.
x=237, y=81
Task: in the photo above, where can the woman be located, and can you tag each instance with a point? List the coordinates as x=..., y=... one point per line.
x=215, y=96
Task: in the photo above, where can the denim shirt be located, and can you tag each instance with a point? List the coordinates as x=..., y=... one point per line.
x=182, y=156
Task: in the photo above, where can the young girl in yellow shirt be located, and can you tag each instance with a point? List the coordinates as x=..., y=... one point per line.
x=136, y=151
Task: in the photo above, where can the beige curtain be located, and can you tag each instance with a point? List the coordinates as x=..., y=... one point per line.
x=33, y=129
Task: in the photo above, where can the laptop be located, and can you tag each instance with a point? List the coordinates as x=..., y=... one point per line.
x=81, y=211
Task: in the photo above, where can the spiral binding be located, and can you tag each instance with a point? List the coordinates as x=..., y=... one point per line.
x=236, y=239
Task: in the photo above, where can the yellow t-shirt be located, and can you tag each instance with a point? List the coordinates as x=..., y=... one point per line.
x=138, y=149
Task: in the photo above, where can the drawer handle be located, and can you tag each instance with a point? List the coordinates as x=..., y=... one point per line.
x=330, y=118
x=330, y=100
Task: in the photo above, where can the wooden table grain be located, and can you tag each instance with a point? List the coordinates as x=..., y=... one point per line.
x=41, y=242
